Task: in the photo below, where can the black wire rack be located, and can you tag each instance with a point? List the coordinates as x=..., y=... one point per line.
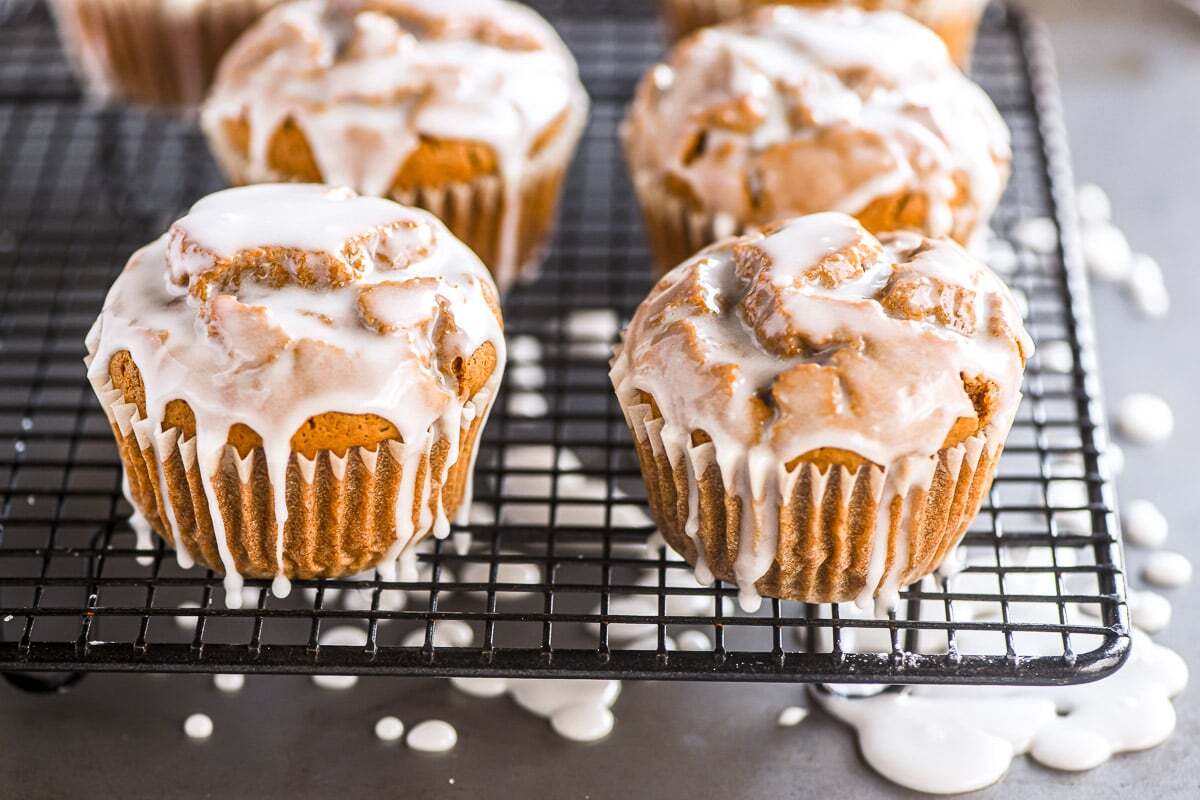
x=559, y=580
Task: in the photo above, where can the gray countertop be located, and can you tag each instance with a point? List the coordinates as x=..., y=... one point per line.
x=1131, y=81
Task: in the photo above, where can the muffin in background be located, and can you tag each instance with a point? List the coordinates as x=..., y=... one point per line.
x=790, y=111
x=470, y=109
x=818, y=413
x=297, y=377
x=955, y=21
x=157, y=52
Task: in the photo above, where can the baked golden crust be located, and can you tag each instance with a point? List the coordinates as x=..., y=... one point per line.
x=471, y=113
x=818, y=413
x=956, y=25
x=340, y=521
x=788, y=112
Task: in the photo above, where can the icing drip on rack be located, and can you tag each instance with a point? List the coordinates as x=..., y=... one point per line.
x=269, y=305
x=365, y=81
x=811, y=335
x=793, y=111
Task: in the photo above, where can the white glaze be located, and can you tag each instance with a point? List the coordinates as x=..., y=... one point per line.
x=433, y=736
x=143, y=535
x=1145, y=419
x=694, y=641
x=946, y=740
x=389, y=729
x=1001, y=256
x=335, y=682
x=592, y=324
x=834, y=360
x=524, y=349
x=531, y=405
x=185, y=621
x=545, y=696
x=366, y=81
x=1143, y=524
x=1039, y=234
x=677, y=605
x=1168, y=570
x=527, y=376
x=1149, y=611
x=1093, y=204
x=481, y=687
x=1106, y=252
x=582, y=722
x=356, y=338
x=791, y=716
x=1148, y=287
x=229, y=682
x=506, y=572
x=1056, y=356
x=446, y=633
x=763, y=90
x=1114, y=458
x=198, y=726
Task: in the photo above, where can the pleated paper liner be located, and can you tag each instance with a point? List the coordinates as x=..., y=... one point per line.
x=511, y=247
x=675, y=229
x=341, y=508
x=152, y=51
x=827, y=519
x=476, y=211
x=956, y=23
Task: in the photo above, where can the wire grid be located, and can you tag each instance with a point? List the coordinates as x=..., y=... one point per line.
x=559, y=578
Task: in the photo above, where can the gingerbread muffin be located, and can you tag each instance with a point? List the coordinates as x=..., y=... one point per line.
x=470, y=109
x=818, y=413
x=792, y=111
x=955, y=21
x=160, y=52
x=296, y=377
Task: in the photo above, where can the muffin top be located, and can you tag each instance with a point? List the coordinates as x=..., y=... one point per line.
x=791, y=111
x=269, y=305
x=813, y=340
x=366, y=81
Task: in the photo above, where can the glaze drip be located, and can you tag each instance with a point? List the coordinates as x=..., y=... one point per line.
x=368, y=82
x=792, y=111
x=270, y=305
x=814, y=341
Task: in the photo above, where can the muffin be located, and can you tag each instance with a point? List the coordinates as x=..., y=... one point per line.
x=470, y=109
x=955, y=21
x=296, y=377
x=818, y=413
x=161, y=52
x=791, y=111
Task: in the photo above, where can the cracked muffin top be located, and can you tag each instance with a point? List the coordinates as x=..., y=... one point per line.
x=792, y=111
x=817, y=341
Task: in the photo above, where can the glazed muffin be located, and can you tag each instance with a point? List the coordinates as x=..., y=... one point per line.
x=161, y=52
x=296, y=377
x=792, y=111
x=470, y=109
x=955, y=21
x=818, y=413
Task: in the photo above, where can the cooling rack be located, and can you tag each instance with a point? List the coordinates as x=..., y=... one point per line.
x=562, y=577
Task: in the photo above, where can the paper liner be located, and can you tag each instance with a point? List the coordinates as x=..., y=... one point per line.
x=149, y=50
x=827, y=519
x=675, y=229
x=956, y=23
x=341, y=509
x=474, y=211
